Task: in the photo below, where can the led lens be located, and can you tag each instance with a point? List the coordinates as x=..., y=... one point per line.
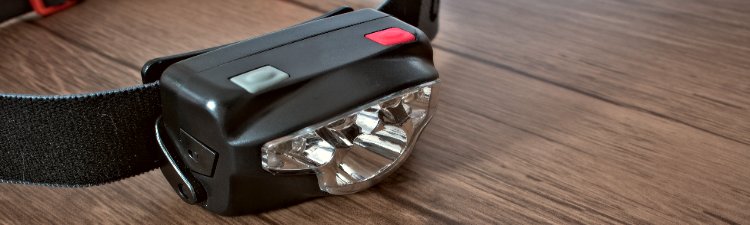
x=354, y=151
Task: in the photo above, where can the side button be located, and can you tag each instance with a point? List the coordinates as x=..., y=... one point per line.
x=198, y=157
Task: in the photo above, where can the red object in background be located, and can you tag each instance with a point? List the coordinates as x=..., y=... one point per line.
x=44, y=10
x=391, y=36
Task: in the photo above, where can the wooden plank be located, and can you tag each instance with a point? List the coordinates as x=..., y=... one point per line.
x=732, y=12
x=145, y=199
x=35, y=62
x=669, y=63
x=602, y=160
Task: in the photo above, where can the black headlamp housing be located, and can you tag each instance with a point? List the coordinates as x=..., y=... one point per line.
x=212, y=129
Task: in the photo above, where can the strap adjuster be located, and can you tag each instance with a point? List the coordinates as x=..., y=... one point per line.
x=44, y=10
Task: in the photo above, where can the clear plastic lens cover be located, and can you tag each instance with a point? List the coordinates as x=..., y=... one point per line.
x=354, y=151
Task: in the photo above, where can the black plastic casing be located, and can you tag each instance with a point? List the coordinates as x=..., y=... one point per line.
x=333, y=68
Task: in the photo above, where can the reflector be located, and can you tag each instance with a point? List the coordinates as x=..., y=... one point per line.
x=354, y=151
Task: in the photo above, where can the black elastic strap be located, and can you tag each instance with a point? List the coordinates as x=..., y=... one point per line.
x=79, y=140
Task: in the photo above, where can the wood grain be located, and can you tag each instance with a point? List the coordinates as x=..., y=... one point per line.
x=33, y=61
x=687, y=68
x=582, y=112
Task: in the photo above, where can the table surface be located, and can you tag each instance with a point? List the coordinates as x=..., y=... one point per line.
x=576, y=111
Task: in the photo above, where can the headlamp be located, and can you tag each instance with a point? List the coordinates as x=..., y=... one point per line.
x=329, y=106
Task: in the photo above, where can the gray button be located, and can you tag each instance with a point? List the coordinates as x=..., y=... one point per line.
x=259, y=79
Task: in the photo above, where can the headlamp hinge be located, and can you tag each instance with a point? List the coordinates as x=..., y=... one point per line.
x=175, y=171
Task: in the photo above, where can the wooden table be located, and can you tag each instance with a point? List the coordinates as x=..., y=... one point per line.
x=593, y=112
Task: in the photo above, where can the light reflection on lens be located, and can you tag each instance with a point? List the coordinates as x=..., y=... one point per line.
x=354, y=151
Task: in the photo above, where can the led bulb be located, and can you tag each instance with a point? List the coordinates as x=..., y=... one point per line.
x=354, y=151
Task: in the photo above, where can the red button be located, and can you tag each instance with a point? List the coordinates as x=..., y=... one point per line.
x=391, y=36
